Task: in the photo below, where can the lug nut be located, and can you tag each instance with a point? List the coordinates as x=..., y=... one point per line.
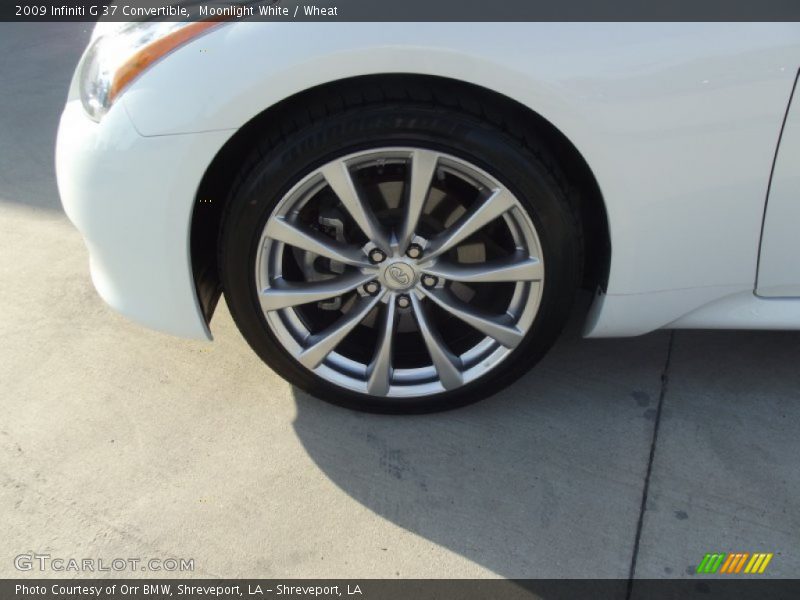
x=403, y=301
x=377, y=256
x=372, y=288
x=414, y=251
x=429, y=281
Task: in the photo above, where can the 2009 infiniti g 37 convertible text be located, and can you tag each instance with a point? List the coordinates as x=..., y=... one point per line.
x=399, y=216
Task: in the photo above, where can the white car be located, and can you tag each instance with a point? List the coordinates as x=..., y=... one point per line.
x=400, y=215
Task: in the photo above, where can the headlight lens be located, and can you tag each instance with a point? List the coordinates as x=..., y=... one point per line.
x=113, y=61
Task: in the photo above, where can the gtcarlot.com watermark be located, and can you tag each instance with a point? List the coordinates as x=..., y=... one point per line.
x=47, y=563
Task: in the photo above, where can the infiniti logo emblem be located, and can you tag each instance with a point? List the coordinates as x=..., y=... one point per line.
x=399, y=275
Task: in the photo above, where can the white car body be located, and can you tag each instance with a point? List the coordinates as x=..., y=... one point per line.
x=679, y=123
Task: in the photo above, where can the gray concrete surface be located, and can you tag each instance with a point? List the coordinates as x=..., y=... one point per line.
x=116, y=441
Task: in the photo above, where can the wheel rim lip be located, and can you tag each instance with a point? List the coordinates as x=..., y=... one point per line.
x=342, y=371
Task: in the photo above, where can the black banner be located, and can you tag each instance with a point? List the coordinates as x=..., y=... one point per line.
x=400, y=10
x=732, y=588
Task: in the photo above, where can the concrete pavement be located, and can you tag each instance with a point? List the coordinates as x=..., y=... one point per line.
x=118, y=441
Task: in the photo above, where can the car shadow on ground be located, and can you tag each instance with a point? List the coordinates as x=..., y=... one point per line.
x=546, y=478
x=544, y=475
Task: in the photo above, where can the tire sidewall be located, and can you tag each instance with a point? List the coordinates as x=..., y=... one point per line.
x=525, y=172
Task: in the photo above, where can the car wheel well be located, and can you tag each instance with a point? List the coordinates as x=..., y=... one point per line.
x=292, y=113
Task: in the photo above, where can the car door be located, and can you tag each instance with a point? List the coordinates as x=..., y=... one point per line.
x=779, y=261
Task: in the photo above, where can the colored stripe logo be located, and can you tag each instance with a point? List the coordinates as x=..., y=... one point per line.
x=734, y=563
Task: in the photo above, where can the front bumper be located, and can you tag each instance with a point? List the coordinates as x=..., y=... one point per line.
x=132, y=197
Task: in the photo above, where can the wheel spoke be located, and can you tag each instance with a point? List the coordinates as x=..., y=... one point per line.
x=423, y=166
x=507, y=335
x=445, y=362
x=322, y=344
x=492, y=207
x=338, y=177
x=283, y=230
x=380, y=370
x=283, y=294
x=511, y=269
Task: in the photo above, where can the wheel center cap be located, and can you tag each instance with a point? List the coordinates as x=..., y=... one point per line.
x=399, y=276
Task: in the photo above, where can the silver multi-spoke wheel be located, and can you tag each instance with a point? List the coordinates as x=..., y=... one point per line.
x=399, y=272
x=400, y=244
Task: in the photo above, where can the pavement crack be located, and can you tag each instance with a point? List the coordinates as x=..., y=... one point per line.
x=653, y=442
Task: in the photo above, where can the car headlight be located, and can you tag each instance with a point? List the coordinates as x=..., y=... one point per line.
x=114, y=60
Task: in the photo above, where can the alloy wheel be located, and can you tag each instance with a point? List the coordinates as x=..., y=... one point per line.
x=399, y=272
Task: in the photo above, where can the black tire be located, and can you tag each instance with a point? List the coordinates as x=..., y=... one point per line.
x=282, y=160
